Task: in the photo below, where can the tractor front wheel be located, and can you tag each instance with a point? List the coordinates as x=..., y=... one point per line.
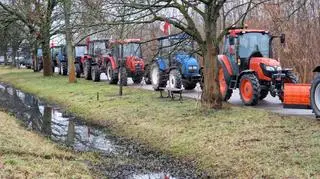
x=175, y=79
x=112, y=77
x=157, y=77
x=87, y=70
x=290, y=78
x=249, y=89
x=315, y=96
x=137, y=79
x=95, y=73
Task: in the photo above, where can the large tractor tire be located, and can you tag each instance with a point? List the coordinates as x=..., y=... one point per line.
x=137, y=79
x=158, y=78
x=175, y=79
x=189, y=85
x=249, y=89
x=64, y=68
x=112, y=76
x=122, y=75
x=315, y=96
x=78, y=70
x=226, y=93
x=263, y=94
x=87, y=70
x=95, y=73
x=290, y=78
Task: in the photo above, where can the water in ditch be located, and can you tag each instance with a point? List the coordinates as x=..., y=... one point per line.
x=125, y=158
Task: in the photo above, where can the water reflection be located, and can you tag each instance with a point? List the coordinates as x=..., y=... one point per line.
x=51, y=123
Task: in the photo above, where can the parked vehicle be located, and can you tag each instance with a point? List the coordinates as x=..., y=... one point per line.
x=176, y=63
x=247, y=64
x=79, y=52
x=26, y=61
x=39, y=57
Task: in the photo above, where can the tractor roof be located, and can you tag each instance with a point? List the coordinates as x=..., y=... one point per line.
x=126, y=41
x=239, y=31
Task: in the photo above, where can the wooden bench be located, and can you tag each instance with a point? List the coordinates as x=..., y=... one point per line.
x=171, y=92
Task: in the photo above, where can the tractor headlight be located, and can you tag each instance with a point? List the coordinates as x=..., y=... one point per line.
x=270, y=68
x=279, y=68
x=192, y=68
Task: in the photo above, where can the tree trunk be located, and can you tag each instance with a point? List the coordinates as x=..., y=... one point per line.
x=72, y=73
x=47, y=68
x=211, y=97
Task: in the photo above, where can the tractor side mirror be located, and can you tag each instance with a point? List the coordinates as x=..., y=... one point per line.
x=282, y=38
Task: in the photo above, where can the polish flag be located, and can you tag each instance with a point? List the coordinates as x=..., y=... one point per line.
x=165, y=27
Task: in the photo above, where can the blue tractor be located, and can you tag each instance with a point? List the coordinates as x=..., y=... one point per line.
x=175, y=63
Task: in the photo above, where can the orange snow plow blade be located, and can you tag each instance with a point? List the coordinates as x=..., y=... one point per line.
x=297, y=96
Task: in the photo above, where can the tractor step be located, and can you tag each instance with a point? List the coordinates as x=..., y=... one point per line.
x=233, y=82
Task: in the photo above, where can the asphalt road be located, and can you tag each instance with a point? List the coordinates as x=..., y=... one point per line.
x=270, y=103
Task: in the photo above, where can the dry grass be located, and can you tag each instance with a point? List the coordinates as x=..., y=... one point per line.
x=235, y=142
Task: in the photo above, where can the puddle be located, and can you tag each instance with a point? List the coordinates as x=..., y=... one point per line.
x=128, y=160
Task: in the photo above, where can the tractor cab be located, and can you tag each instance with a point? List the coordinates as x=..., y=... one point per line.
x=98, y=48
x=80, y=50
x=247, y=64
x=58, y=54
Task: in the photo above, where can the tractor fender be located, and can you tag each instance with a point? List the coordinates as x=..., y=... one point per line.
x=112, y=61
x=317, y=69
x=246, y=72
x=224, y=61
x=226, y=72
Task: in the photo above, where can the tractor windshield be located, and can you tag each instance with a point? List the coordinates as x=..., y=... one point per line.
x=100, y=48
x=250, y=43
x=80, y=50
x=132, y=49
x=176, y=45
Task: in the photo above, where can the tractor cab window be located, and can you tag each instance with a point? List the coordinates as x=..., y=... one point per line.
x=100, y=48
x=80, y=50
x=132, y=49
x=250, y=43
x=176, y=45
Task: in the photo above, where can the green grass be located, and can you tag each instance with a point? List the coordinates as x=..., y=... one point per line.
x=24, y=154
x=234, y=142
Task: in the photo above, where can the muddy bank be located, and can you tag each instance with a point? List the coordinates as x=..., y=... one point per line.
x=119, y=158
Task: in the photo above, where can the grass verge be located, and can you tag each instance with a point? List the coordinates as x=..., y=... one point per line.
x=235, y=142
x=24, y=154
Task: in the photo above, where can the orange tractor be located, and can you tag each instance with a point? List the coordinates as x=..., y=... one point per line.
x=247, y=64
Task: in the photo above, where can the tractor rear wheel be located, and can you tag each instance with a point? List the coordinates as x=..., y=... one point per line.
x=78, y=70
x=189, y=85
x=64, y=68
x=112, y=76
x=95, y=73
x=315, y=96
x=263, y=94
x=87, y=70
x=137, y=79
x=175, y=79
x=122, y=75
x=226, y=93
x=249, y=89
x=158, y=78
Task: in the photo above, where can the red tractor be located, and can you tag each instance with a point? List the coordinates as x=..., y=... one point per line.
x=247, y=64
x=104, y=56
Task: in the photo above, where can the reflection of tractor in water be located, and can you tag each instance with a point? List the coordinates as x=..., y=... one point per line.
x=175, y=63
x=105, y=57
x=247, y=64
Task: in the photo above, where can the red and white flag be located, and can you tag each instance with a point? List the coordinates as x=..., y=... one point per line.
x=165, y=27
